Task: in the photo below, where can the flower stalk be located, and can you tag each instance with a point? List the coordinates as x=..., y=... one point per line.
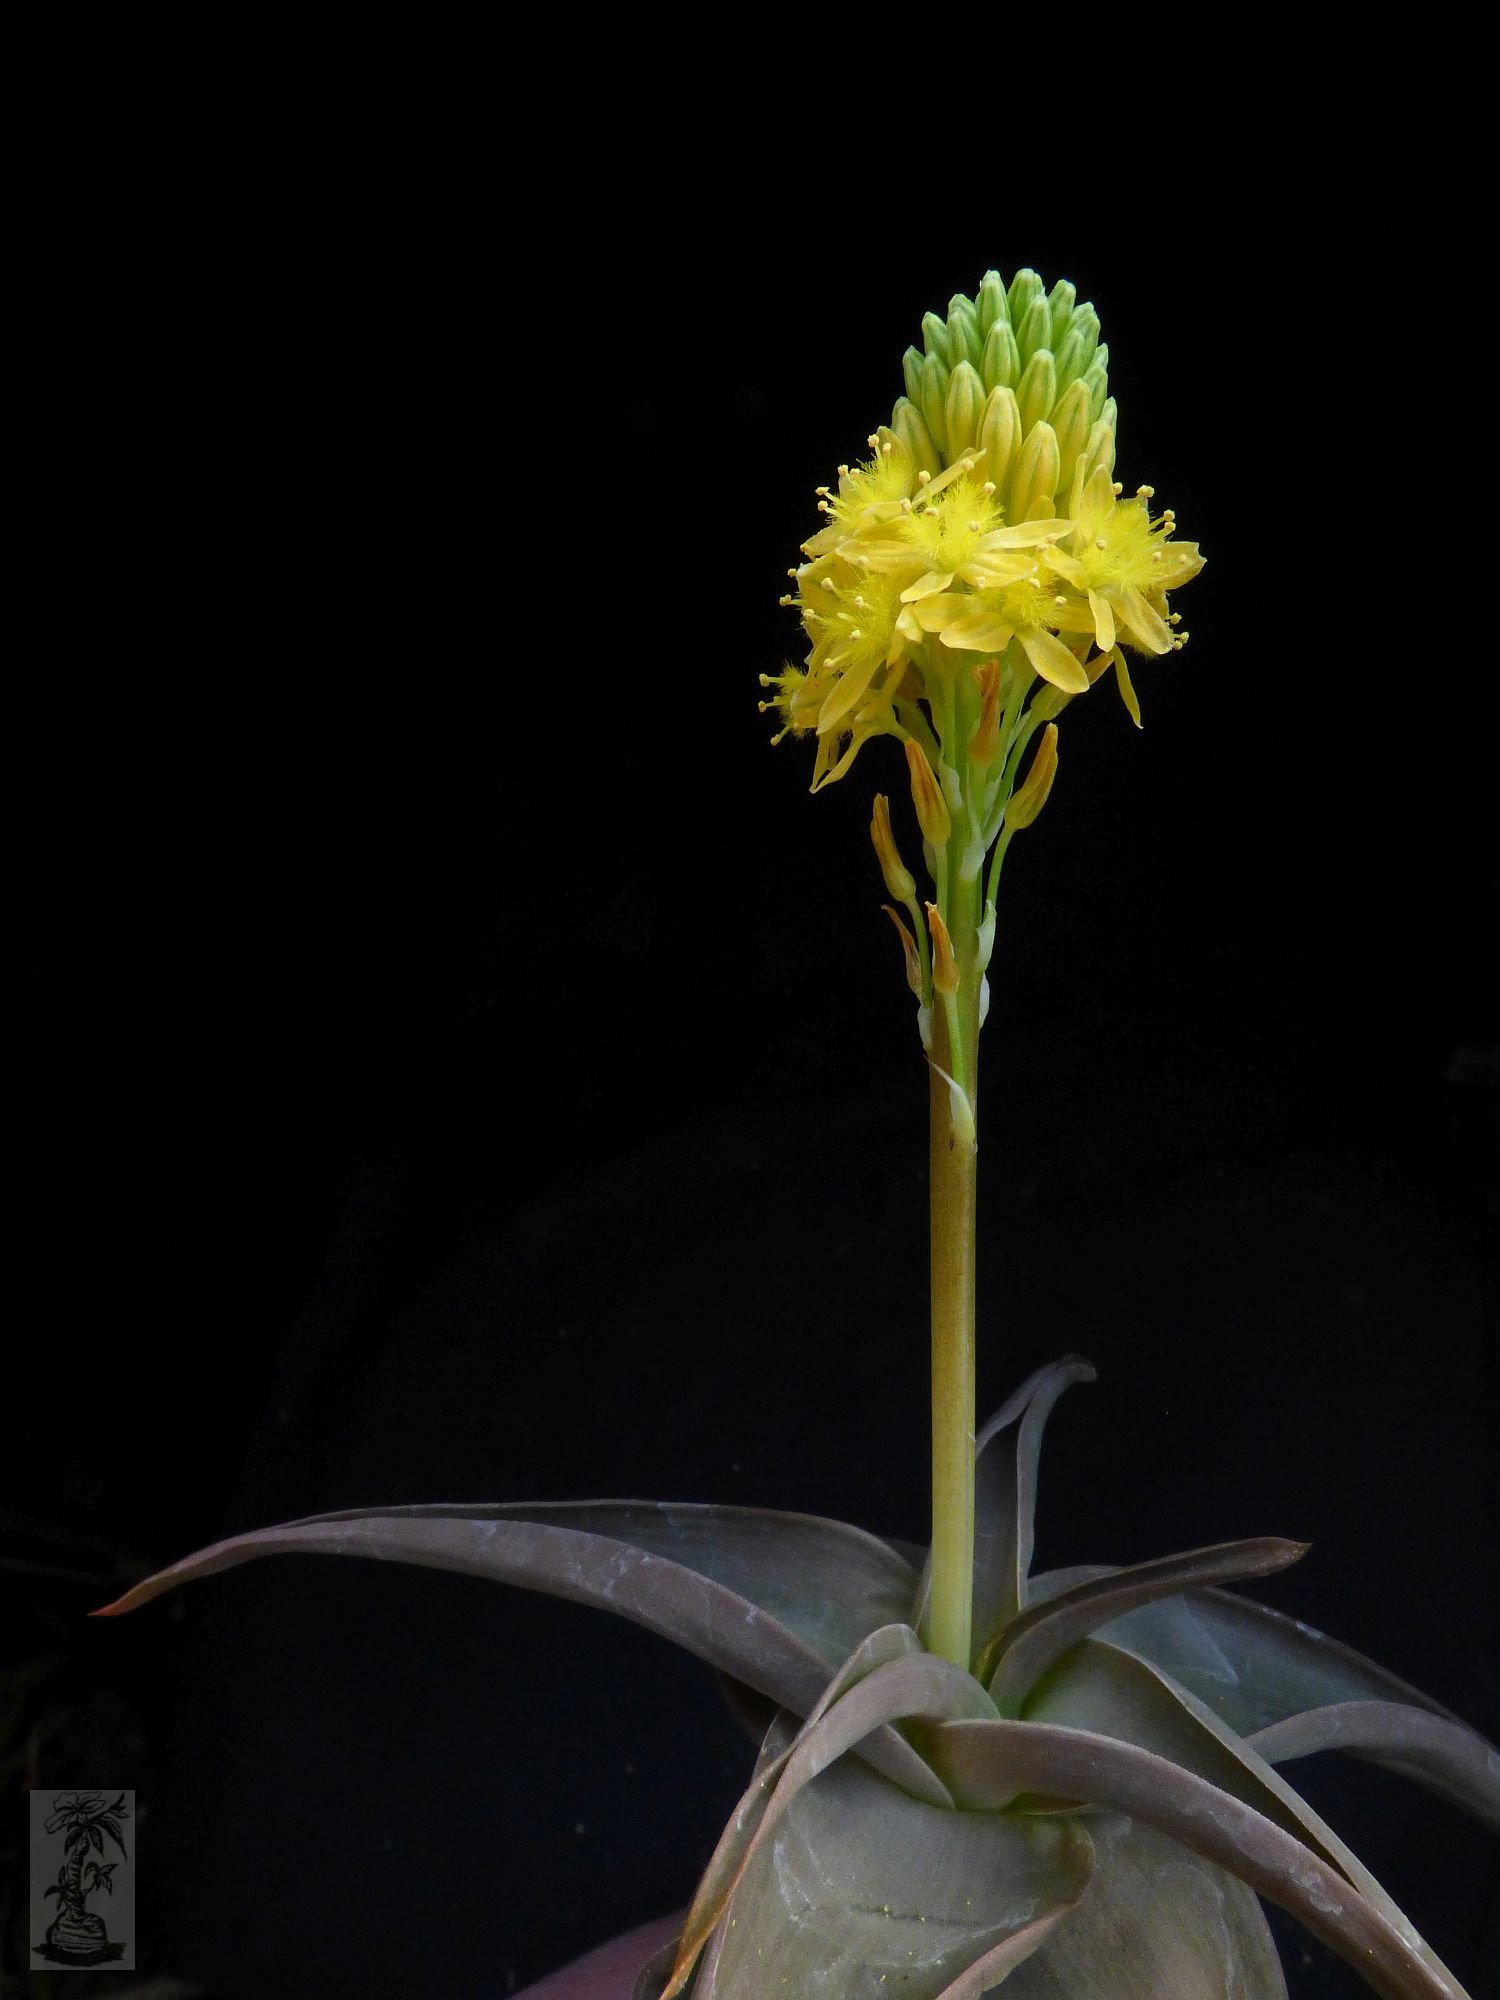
x=978, y=573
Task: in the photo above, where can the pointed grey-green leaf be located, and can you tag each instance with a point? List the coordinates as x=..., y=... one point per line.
x=1157, y=1922
x=865, y=1892
x=1100, y=1688
x=888, y=1679
x=1253, y=1666
x=987, y=1763
x=1448, y=1758
x=1006, y=1453
x=777, y=1600
x=1043, y=1632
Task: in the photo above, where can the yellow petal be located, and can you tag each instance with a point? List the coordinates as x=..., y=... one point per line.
x=1104, y=620
x=994, y=572
x=1096, y=503
x=847, y=694
x=1068, y=567
x=979, y=632
x=1026, y=535
x=1145, y=625
x=888, y=558
x=934, y=613
x=1127, y=690
x=1052, y=660
x=928, y=585
x=1180, y=561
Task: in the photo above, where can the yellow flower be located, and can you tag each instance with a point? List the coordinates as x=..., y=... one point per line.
x=1124, y=563
x=1026, y=611
x=986, y=521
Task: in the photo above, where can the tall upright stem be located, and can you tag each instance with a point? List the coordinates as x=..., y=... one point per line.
x=952, y=1178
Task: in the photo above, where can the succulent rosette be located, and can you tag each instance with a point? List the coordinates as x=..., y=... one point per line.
x=1092, y=1811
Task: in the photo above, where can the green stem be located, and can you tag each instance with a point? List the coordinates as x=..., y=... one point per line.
x=952, y=1178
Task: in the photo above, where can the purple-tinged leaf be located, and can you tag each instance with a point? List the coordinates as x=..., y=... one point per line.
x=988, y=1970
x=986, y=1763
x=864, y=1892
x=887, y=1678
x=1099, y=1688
x=777, y=1600
x=1446, y=1757
x=1023, y=1650
x=1006, y=1452
x=1253, y=1666
x=1156, y=1923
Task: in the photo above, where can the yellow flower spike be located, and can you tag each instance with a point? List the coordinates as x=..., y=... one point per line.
x=973, y=529
x=899, y=879
x=944, y=964
x=1028, y=799
x=984, y=744
x=927, y=796
x=908, y=950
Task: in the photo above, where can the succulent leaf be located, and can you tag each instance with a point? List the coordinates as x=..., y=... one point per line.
x=863, y=1885
x=775, y=1599
x=1156, y=1921
x=1100, y=1688
x=986, y=1764
x=1006, y=1455
x=1252, y=1665
x=1023, y=1650
x=1447, y=1757
x=889, y=1677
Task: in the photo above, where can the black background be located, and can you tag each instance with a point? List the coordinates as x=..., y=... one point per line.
x=455, y=1058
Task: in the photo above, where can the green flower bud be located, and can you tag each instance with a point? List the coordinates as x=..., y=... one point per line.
x=1097, y=377
x=1024, y=287
x=907, y=424
x=1036, y=391
x=999, y=434
x=911, y=371
x=965, y=342
x=932, y=400
x=963, y=409
x=1033, y=479
x=1078, y=346
x=1070, y=420
x=990, y=304
x=1034, y=328
x=1061, y=300
x=1098, y=450
x=935, y=336
x=1002, y=358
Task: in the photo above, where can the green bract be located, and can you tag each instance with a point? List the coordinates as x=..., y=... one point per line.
x=1090, y=1813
